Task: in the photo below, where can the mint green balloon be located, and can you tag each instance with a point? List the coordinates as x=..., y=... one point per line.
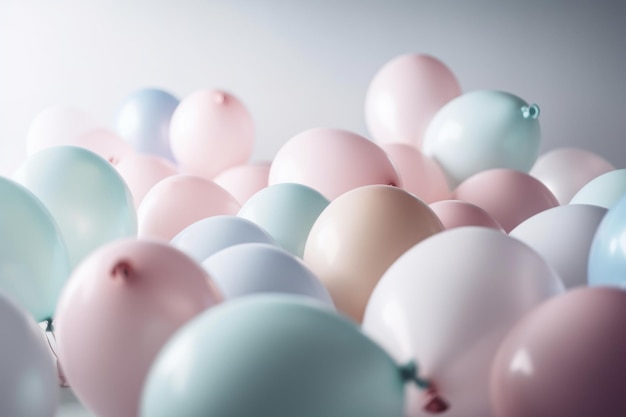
x=603, y=191
x=272, y=355
x=34, y=264
x=86, y=196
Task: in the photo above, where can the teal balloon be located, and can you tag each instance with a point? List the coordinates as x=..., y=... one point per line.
x=34, y=264
x=84, y=193
x=287, y=212
x=607, y=257
x=272, y=355
x=604, y=191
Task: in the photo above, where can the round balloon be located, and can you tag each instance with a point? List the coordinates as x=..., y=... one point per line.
x=141, y=172
x=243, y=181
x=604, y=190
x=457, y=213
x=607, y=256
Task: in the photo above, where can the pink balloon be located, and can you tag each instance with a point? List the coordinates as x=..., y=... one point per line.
x=456, y=213
x=243, y=181
x=420, y=175
x=211, y=131
x=105, y=143
x=332, y=161
x=178, y=201
x=118, y=309
x=509, y=196
x=142, y=171
x=404, y=96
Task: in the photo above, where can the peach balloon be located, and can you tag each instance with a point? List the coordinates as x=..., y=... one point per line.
x=456, y=213
x=105, y=143
x=142, y=171
x=243, y=181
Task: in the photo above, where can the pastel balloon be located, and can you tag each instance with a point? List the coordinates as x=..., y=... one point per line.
x=28, y=377
x=332, y=161
x=359, y=235
x=212, y=234
x=211, y=131
x=563, y=236
x=456, y=213
x=119, y=308
x=272, y=355
x=420, y=175
x=84, y=193
x=483, y=130
x=243, y=181
x=104, y=143
x=447, y=304
x=287, y=212
x=142, y=171
x=566, y=170
x=509, y=196
x=143, y=119
x=607, y=256
x=565, y=358
x=404, y=95
x=604, y=191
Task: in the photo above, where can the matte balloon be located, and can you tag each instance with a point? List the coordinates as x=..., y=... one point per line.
x=359, y=235
x=141, y=172
x=607, y=256
x=271, y=355
x=287, y=212
x=448, y=302
x=119, y=308
x=483, y=130
x=405, y=94
x=243, y=181
x=566, y=358
x=604, y=190
x=104, y=143
x=456, y=213
x=332, y=161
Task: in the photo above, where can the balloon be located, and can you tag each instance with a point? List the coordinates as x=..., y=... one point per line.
x=180, y=200
x=212, y=234
x=456, y=213
x=272, y=355
x=143, y=119
x=84, y=193
x=420, y=175
x=604, y=190
x=243, y=181
x=287, y=211
x=563, y=236
x=359, y=235
x=211, y=131
x=28, y=378
x=566, y=170
x=448, y=302
x=509, y=196
x=104, y=143
x=332, y=161
x=483, y=130
x=565, y=358
x=607, y=256
x=141, y=172
x=405, y=94
x=118, y=309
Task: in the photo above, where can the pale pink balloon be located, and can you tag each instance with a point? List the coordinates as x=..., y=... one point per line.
x=404, y=96
x=120, y=306
x=243, y=181
x=142, y=171
x=457, y=213
x=332, y=161
x=178, y=201
x=566, y=170
x=420, y=174
x=105, y=143
x=211, y=131
x=509, y=196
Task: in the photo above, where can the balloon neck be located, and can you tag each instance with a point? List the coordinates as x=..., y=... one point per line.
x=530, y=112
x=114, y=160
x=122, y=270
x=49, y=325
x=220, y=98
x=433, y=402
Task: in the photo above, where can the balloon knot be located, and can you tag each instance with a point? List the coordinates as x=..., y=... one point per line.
x=220, y=98
x=433, y=402
x=530, y=112
x=49, y=325
x=410, y=372
x=121, y=269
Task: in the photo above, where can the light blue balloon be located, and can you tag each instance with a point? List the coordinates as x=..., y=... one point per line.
x=483, y=130
x=253, y=268
x=84, y=193
x=143, y=119
x=275, y=356
x=603, y=191
x=287, y=212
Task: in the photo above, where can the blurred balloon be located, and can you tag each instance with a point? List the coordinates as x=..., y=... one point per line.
x=566, y=170
x=420, y=175
x=565, y=358
x=119, y=308
x=359, y=235
x=212, y=234
x=141, y=172
x=607, y=256
x=272, y=355
x=211, y=131
x=84, y=193
x=604, y=190
x=509, y=196
x=28, y=378
x=143, y=119
x=180, y=200
x=483, y=130
x=563, y=236
x=104, y=143
x=243, y=181
x=404, y=95
x=287, y=212
x=332, y=161
x=456, y=213
x=448, y=302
